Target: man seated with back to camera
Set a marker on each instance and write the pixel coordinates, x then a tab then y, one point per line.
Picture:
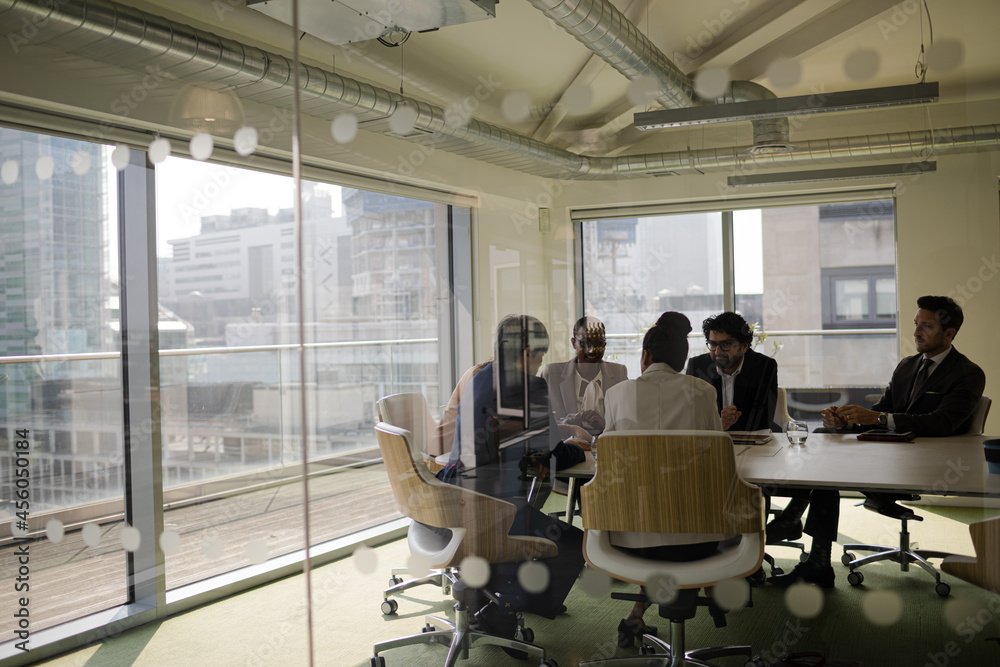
934	393
478	462
745	381
577	386
662	398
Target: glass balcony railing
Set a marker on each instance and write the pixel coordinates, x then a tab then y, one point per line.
225	412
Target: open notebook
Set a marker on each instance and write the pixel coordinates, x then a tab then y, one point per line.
763	436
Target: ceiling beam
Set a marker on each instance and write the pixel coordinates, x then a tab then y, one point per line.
636	12
810	35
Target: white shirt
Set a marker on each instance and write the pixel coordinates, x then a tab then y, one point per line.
728	384
661	399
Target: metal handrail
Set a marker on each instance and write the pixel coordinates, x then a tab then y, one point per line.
790	332
189	352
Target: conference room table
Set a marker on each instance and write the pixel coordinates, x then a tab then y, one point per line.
951	466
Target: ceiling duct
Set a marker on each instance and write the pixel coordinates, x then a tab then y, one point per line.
599	26
363	20
130	38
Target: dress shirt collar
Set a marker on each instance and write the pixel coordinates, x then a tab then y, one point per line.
938	358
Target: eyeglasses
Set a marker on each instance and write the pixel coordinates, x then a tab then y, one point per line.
725	345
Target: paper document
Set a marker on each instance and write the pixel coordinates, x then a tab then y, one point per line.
760	437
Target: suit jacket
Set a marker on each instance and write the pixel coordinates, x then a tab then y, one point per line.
755	393
562	387
946	402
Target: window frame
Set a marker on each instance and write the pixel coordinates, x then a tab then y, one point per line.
829	278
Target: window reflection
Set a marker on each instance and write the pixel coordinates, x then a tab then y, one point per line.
61	380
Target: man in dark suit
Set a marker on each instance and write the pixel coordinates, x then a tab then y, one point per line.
933	393
577	386
746	382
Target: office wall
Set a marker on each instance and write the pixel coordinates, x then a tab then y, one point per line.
948	235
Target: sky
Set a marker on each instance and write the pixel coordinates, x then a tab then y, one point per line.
197	189
202	188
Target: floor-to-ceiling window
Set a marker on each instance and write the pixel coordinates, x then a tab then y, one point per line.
816	281
372	308
61	455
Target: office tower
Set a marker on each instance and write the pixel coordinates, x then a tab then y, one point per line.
53	262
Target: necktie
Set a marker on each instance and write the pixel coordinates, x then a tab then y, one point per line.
918	381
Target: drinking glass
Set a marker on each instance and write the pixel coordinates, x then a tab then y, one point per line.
797	432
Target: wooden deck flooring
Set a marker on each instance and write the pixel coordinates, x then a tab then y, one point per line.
70	580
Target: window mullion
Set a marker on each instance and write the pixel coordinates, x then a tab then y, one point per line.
141	380
728	263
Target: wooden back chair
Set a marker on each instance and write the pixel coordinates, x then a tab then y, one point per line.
479	523
979	418
449	524
984	569
670	482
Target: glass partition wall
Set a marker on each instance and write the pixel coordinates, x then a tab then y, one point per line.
207	280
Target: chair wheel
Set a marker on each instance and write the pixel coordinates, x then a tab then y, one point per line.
394	580
943	588
548	663
525	635
646	649
847	558
855	578
755	662
389	607
804	556
429	628
377	661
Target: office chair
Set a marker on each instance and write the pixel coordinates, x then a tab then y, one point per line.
410	411
449	524
692	474
983	570
904	554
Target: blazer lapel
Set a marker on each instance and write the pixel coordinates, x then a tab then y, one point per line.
716	379
901	402
567	388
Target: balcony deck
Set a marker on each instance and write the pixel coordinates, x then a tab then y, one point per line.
69	580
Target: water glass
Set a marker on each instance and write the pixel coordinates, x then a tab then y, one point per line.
797	432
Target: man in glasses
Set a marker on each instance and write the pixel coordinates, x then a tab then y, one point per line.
577	386
746	382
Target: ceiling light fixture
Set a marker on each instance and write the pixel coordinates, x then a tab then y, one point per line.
848	100
839	174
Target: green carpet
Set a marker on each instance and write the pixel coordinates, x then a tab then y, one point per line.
266	626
